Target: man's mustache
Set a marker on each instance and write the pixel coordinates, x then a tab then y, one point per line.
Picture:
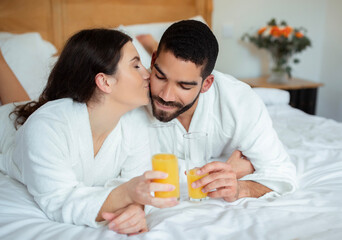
168	104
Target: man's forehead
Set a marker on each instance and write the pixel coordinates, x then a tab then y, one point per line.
179	76
176	68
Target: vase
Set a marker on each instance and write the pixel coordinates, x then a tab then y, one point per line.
279	64
278	76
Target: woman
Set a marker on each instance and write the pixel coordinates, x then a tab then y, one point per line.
74	139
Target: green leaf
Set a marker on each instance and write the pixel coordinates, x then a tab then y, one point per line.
288	70
272	22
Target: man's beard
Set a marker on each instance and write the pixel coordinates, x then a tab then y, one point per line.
164	116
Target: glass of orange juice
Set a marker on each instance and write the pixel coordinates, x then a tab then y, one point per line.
195	157
162	145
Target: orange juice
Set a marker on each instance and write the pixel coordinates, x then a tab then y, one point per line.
195	193
167	163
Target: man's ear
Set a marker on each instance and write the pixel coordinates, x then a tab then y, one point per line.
207	83
104	83
154	57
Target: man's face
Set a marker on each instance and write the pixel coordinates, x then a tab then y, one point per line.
175	86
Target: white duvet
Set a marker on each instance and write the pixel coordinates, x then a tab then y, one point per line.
312	212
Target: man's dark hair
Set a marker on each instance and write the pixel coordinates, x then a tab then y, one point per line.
193	41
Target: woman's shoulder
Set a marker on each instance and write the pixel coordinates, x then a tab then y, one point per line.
134	126
136	118
52	107
57	113
58	109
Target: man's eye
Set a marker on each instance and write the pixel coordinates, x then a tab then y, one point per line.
137	66
159	77
185	88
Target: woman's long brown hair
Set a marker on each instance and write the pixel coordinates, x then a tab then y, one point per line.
85	54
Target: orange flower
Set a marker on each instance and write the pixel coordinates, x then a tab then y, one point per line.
275	31
261	30
299	35
286	31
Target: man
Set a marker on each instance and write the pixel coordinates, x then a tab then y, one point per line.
184	90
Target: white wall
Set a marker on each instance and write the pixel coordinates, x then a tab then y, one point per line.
330	96
318	63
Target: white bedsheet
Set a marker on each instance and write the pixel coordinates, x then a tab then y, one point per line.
312	212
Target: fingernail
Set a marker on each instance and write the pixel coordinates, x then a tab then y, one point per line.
203	190
172	187
193	185
198	172
165	175
111	225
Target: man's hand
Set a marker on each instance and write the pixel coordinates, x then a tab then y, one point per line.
221	181
240	164
129	220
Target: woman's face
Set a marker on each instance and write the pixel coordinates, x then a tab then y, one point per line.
132	79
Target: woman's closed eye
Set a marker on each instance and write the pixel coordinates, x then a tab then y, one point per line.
136	62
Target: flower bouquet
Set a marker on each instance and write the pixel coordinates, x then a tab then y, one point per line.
282	41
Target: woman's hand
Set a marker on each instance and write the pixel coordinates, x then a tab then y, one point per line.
129	220
139	190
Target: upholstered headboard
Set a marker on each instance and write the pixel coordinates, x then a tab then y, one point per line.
56	20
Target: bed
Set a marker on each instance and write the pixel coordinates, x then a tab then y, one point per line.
315	144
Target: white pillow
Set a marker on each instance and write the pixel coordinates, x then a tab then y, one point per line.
145	57
155	29
30	58
272	96
7	134
7	128
7	131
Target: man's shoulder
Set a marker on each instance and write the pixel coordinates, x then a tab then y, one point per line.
233	99
225	83
230	91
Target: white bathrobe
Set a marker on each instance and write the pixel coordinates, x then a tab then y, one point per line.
236	118
54	157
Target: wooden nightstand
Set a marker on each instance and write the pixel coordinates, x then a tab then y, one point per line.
303	93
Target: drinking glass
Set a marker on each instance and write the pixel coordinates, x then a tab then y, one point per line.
195	157
162	139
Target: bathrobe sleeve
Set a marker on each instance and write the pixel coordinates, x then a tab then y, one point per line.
260	143
254	136
47	172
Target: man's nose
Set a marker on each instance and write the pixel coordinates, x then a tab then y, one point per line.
167	93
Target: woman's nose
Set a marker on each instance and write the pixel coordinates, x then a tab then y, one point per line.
146	75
